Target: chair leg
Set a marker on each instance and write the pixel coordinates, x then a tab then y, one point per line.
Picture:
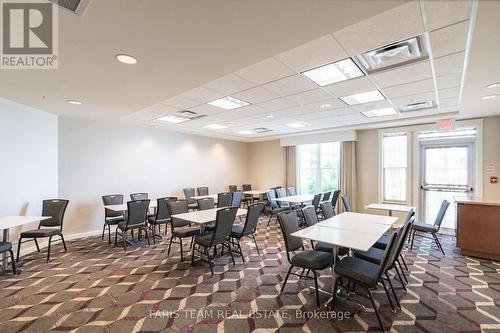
230	252
412	239
124	238
286	279
182	254
109	234
438	243
402	271
18	249
48	248
170	245
400	279
387	294
269	221
317	288
241	251
404	262
103	230
334	295
375	308
393	291
116	236
36	243
192	256
64	243
12	262
255	241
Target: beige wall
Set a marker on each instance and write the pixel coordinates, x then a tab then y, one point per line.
266	164
491	154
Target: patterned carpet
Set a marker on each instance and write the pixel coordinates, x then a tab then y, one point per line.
95	287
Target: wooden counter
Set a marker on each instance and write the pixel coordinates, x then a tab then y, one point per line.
478	228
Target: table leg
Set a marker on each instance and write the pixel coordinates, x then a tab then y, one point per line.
4	255
390	212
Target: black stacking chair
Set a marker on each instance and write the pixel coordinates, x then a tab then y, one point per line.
326	196
327	209
365	273
335	198
311	218
275	209
224	199
137	214
429	228
274	189
233	188
7	247
55	208
248	229
111	217
316	201
206	203
189	193
347	205
236	200
162	216
202	190
311	260
139	196
291	191
220	236
180	228
247	198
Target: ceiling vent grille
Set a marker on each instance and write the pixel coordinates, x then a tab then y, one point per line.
417	106
261	130
189	115
76	6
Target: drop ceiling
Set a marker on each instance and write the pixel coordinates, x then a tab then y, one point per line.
256	56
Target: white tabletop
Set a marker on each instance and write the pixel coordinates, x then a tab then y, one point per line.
359	226
16	221
204	216
297	198
255	192
124	207
214	196
390	207
351	217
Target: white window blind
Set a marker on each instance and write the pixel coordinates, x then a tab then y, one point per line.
319	167
394	166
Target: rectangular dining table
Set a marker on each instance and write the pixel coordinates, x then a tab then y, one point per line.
301	198
203	217
390	207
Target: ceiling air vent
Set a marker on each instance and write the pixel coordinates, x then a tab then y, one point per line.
76	6
394	55
416	106
189	114
261	130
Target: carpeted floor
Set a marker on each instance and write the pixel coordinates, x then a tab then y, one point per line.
95	287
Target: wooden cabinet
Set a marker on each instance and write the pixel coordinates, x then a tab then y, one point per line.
478	228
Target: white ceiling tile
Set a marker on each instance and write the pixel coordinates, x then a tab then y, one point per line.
256	95
424	97
206	109
334	103
290	85
450	39
445	12
405	74
229	84
391	26
202	94
411	88
180	102
350	87
152	112
310	96
449	92
277	104
449	64
449	80
265	71
452	102
319	52
371	106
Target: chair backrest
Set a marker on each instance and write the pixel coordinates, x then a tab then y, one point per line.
253	213
281	193
246	187
291	191
388	253
137	212
335	198
271	196
223	224
177	207
224	199
401	240
327	209
236	201
202	190
326	196
162	212
112	199
189	193
441	214
233	188
347	205
310	215
316	200
206	203
56	209
411	213
289	224
274	189
139	196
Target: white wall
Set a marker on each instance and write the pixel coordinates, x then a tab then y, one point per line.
28	159
98	158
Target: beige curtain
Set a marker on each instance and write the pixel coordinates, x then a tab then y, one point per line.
348	173
291	166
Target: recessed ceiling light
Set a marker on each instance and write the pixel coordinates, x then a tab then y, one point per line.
173	119
494	85
126	59
246	132
298	125
489	97
270	116
228	103
75	102
380	112
366	97
325	106
215	127
335	72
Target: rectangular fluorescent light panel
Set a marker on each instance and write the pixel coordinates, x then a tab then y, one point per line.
215	127
228	103
366	97
246	132
298	125
380	112
173	119
335	72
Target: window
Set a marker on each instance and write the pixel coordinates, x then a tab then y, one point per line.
318	167
394	166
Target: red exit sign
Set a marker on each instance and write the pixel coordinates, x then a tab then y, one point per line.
446	124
